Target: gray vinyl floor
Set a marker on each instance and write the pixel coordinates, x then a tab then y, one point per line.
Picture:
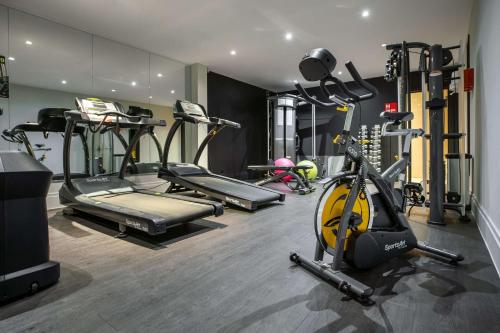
232	274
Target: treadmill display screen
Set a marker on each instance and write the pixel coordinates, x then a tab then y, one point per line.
91	106
193	109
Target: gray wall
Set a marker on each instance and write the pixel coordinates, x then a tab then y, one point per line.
485	122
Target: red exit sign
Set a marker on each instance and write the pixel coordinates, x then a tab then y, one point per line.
391	107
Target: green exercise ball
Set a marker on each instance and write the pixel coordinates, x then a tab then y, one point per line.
311	173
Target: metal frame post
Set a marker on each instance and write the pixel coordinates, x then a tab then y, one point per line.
436	106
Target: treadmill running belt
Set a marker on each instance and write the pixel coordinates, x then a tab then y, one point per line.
173	210
235	189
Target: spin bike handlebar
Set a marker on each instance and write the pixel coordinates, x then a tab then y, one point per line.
10	136
371	90
310	99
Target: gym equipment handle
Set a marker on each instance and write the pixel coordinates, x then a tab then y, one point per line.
372	91
225	122
312	100
410	45
367	86
118	114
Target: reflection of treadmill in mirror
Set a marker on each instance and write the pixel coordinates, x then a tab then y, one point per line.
145	167
194	177
114	198
135	167
50	120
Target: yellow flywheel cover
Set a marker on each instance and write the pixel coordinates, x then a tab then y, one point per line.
332	213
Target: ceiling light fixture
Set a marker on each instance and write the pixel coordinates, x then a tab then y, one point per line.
64	82
288	36
28	42
113	90
134	83
233	52
150	97
339	73
365	13
172	91
159	75
11	58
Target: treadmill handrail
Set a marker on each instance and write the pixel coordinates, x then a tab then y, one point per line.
219	125
224	122
82	117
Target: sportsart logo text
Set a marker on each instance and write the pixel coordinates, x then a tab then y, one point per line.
395	173
398	245
98	180
234	201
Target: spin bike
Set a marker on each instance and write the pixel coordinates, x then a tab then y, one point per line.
353	222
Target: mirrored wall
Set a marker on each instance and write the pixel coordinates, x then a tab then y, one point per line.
50	64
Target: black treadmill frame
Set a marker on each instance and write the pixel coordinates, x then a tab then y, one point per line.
167	173
74	193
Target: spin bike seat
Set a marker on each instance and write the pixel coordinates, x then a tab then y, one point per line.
397	116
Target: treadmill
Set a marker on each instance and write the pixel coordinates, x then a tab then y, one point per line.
194	177
111	196
50	120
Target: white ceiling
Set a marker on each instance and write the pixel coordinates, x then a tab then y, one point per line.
88	64
205	31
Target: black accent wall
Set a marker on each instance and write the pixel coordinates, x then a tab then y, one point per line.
232	150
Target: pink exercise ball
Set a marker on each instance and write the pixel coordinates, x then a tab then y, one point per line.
283	162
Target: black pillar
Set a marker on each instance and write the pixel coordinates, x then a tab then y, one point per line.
436	106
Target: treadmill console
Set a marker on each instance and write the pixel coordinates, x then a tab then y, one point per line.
94	109
91	106
191	112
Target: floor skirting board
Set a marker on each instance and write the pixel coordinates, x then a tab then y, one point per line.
489	231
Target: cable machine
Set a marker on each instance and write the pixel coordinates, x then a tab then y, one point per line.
436	73
282	138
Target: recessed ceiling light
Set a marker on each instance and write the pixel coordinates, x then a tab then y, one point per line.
384	45
339	73
288	36
28	42
172	91
134	83
113	90
295	81
64	82
159	74
11	58
150	97
233	52
365	13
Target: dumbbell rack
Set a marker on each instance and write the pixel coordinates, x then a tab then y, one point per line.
375	154
371	145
